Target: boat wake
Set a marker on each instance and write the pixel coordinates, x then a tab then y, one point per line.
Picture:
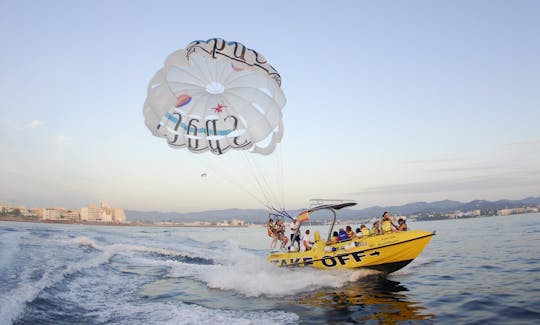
224	265
54	277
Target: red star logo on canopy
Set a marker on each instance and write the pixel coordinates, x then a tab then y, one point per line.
219	108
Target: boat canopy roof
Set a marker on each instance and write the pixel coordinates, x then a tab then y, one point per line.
335	206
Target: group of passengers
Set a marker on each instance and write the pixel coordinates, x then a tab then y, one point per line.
386	225
276	231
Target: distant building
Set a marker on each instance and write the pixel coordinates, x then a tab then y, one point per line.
507	212
18	210
103	213
38	212
225	223
90	213
119	215
51	213
71	215
236	222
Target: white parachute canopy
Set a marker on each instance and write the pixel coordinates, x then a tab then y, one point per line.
216	96
221	97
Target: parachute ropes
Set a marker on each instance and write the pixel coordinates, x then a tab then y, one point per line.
216	96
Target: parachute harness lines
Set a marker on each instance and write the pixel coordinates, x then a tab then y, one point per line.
217	96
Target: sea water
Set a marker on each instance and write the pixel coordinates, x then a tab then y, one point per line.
483	270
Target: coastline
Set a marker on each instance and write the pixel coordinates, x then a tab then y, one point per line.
125	224
13	218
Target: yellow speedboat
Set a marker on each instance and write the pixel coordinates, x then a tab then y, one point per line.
386	253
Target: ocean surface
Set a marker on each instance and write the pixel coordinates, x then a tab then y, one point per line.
474	271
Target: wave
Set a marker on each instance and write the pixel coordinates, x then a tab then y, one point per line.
224	265
13	302
250	275
9	246
183	256
175	313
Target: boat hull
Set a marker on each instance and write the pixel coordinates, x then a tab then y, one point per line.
385	253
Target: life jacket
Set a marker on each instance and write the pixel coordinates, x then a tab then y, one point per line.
386	226
271	229
365	231
350	234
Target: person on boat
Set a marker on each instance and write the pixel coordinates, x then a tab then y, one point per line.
350	233
402	225
375	229
358	233
295	232
342	235
271	227
334	239
280	231
387	226
364	230
307	244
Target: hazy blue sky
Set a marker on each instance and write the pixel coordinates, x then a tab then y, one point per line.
388	102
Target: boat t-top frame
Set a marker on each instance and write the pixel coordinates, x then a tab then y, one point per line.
316	205
331	205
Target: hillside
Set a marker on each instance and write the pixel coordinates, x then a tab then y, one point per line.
260	215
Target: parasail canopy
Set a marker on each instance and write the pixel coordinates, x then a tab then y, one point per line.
216	96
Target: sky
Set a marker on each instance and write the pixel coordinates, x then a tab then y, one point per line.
388	102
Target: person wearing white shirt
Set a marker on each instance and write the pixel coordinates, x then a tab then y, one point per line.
295	232
307	244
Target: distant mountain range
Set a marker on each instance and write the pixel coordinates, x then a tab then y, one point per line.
260	216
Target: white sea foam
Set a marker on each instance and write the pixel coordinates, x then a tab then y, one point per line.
180	313
235	269
112	300
186	251
9	245
13	302
239	270
252	276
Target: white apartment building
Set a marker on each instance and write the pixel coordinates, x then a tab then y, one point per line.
51	214
103	213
